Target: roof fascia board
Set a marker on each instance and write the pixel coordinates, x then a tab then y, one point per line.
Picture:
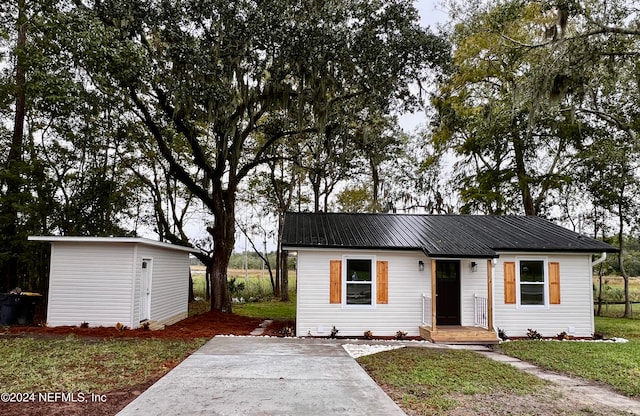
112	240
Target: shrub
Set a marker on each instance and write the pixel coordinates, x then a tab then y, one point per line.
533	334
502	334
334	332
400	335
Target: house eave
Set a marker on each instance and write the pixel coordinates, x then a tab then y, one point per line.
112	240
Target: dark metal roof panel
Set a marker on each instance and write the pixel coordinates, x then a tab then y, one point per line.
436	235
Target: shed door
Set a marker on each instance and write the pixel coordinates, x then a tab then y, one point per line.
145	290
448	292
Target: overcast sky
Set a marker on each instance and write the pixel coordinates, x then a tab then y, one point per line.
431	14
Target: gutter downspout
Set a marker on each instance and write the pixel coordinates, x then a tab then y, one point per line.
602	258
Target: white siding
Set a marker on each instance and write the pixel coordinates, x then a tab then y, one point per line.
90	283
316	316
169	283
576	295
472	283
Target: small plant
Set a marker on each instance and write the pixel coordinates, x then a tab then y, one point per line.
368	334
334	332
533	334
563	336
121	327
84	325
287	331
235	287
400	335
502	334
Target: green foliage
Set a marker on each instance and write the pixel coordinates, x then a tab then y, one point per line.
358	199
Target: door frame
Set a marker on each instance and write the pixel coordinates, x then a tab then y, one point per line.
458	317
146	277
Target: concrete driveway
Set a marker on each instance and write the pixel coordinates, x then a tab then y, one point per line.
265	376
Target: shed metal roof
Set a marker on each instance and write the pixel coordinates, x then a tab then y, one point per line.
471	236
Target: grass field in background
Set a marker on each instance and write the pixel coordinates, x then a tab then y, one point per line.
257	295
613	291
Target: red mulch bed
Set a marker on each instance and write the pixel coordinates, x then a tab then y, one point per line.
206	325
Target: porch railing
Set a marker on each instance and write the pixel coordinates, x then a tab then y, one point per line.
481	311
426	310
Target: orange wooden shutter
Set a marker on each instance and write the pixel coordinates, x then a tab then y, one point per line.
382	282
335	281
554	283
509	282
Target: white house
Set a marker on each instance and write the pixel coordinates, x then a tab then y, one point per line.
448	278
107	280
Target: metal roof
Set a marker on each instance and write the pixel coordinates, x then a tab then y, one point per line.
471	236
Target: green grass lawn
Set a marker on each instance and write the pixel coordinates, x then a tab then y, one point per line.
617	365
431	381
75	364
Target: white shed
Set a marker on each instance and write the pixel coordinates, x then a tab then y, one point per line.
107	280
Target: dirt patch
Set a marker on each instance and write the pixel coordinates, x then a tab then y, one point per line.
206	325
114	401
549	401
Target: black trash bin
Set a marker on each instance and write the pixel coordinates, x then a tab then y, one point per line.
27	307
9	306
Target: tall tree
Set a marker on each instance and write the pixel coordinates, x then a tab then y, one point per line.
202	77
514	150
12	173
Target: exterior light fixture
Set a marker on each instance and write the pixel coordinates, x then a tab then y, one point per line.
474	266
420	265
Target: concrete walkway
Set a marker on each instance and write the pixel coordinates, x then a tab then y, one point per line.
580	390
265	376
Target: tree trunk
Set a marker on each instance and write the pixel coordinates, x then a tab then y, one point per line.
14	159
284	273
375	184
625	276
191	296
315	179
207	281
223	234
599	310
523	178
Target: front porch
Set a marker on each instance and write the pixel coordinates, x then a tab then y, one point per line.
458	335
441	312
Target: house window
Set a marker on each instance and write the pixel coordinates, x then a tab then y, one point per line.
532	282
359	281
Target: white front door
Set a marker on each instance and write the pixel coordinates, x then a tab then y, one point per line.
145	290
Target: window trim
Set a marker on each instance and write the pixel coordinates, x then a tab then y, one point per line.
374	277
545	271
